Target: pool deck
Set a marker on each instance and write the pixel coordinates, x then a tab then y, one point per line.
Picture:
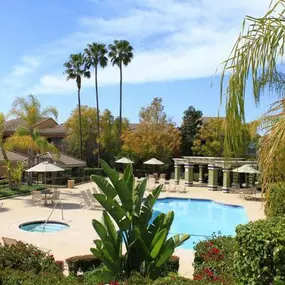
78	239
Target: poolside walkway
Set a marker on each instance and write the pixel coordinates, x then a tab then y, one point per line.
78	239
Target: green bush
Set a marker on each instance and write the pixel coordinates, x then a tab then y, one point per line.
95	171
17	277
28	258
275	204
260	252
3	182
214	260
82	263
172	266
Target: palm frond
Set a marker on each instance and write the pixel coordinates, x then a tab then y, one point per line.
254	55
21	142
49	111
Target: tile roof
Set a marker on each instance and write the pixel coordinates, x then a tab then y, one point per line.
13	156
12	125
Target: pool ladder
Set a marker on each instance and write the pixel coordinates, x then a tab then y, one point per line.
52	212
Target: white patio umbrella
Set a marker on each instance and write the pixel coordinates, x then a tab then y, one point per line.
153	161
246	168
45	167
124	160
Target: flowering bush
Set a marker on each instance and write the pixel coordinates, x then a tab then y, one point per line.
214	260
28	258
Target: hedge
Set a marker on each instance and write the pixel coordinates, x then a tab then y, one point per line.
82	263
260	252
275	204
95	171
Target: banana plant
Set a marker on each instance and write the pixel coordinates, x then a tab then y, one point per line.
126	208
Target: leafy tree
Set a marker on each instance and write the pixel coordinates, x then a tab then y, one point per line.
76	69
96	57
155	136
89	133
256	57
127	218
189	128
120	53
109	135
210	139
27	136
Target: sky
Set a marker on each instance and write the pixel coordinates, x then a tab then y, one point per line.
178	48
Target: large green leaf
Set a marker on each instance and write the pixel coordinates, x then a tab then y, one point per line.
138	196
179	239
100	229
142	243
111	173
166	252
110	227
157	243
105	186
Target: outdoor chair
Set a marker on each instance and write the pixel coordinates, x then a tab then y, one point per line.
93	200
182	189
172	187
54	197
37	197
1	205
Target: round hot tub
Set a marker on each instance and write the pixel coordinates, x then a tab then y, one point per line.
42	226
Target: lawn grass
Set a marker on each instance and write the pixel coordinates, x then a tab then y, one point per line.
5	192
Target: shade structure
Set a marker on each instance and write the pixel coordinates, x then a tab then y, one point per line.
124	160
246	168
45	167
153	161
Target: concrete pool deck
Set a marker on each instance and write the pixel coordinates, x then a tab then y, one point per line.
78	239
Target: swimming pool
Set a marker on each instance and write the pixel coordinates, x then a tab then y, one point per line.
201	218
39	226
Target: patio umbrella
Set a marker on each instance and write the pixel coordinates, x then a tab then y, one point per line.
153	162
45	167
124	160
246	168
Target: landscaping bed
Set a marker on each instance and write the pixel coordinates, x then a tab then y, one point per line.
5	192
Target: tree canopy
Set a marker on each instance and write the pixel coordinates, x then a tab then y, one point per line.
155	136
189	128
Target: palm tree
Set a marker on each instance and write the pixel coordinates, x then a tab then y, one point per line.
2	147
256	58
26	136
120	53
76	69
96	56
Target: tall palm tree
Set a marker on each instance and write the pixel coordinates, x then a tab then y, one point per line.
120	53
2	147
96	57
26	136
76	69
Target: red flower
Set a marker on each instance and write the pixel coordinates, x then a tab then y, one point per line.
198	277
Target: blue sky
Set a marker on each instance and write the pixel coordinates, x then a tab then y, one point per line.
178	46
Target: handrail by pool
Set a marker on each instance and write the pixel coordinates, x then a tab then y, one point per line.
52	212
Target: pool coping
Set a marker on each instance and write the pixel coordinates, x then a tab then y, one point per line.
202	200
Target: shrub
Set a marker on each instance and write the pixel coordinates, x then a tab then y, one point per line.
16	277
26	257
82	263
275	204
172	266
261	252
214	260
95	171
3	182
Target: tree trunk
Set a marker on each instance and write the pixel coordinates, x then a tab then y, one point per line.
7	162
121	102
98	113
30	164
80	124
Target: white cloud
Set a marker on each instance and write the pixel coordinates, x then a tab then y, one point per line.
173	39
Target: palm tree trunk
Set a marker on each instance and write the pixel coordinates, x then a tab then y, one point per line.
121	102
7	162
80	124
98	112
30	162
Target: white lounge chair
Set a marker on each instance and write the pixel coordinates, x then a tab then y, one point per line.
173	187
37	197
93	200
182	189
85	202
54	197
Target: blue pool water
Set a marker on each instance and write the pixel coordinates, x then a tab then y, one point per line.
39	227
201	218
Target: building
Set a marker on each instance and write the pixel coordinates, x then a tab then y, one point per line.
47	127
55	133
